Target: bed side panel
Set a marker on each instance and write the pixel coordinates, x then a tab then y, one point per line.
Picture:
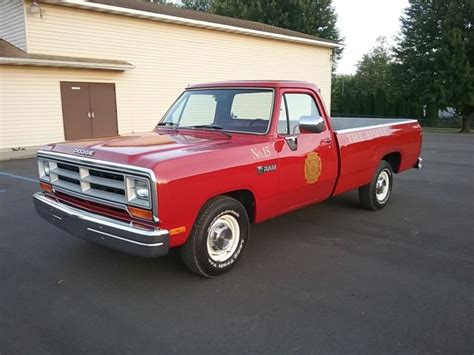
362	150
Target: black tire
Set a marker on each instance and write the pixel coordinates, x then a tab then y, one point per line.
368	193
195	252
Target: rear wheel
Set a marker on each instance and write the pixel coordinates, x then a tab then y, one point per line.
218	237
376	194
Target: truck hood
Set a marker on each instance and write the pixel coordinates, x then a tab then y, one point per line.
144	149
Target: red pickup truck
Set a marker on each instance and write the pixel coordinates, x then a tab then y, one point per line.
224	156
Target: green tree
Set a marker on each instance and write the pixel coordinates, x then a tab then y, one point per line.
345	95
435	55
374	89
374	70
197	5
368	91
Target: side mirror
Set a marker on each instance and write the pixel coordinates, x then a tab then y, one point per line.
313	124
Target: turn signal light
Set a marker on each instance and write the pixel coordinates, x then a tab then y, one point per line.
178	230
46	187
140	213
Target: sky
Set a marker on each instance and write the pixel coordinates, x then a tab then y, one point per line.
360	22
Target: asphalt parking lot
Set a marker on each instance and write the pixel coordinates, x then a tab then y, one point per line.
330	278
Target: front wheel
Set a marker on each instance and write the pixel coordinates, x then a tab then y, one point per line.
376	194
218	237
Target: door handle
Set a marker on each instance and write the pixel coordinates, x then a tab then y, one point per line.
93	114
326	141
292	142
89	114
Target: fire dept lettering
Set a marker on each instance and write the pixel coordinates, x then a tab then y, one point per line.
356	137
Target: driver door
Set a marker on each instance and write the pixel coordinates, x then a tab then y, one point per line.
308	161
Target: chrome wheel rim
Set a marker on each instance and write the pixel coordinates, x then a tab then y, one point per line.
223	238
382	187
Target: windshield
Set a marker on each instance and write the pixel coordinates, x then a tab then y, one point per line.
233	110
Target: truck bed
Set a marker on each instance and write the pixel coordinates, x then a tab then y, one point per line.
364	142
341	124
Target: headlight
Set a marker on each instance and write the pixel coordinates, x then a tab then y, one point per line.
138	191
44	169
141	190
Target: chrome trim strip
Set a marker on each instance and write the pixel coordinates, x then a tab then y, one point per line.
348	130
95	162
125	240
110	165
94	218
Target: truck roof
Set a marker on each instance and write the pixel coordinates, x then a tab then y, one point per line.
256	83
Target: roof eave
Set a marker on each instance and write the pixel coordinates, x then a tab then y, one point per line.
188	22
64	64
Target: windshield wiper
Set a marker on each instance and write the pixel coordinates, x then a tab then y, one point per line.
210	126
167	124
170	125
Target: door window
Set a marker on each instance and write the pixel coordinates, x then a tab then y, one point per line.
299	106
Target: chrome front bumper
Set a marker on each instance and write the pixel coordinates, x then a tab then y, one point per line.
102	230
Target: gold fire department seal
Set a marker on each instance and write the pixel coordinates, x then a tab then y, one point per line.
312	168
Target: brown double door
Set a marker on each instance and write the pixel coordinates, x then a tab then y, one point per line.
89	110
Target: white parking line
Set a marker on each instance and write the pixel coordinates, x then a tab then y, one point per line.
19	177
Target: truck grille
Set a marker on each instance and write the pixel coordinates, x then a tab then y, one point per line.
117	186
114	185
89	181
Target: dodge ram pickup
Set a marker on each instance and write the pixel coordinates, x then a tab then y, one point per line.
224	156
